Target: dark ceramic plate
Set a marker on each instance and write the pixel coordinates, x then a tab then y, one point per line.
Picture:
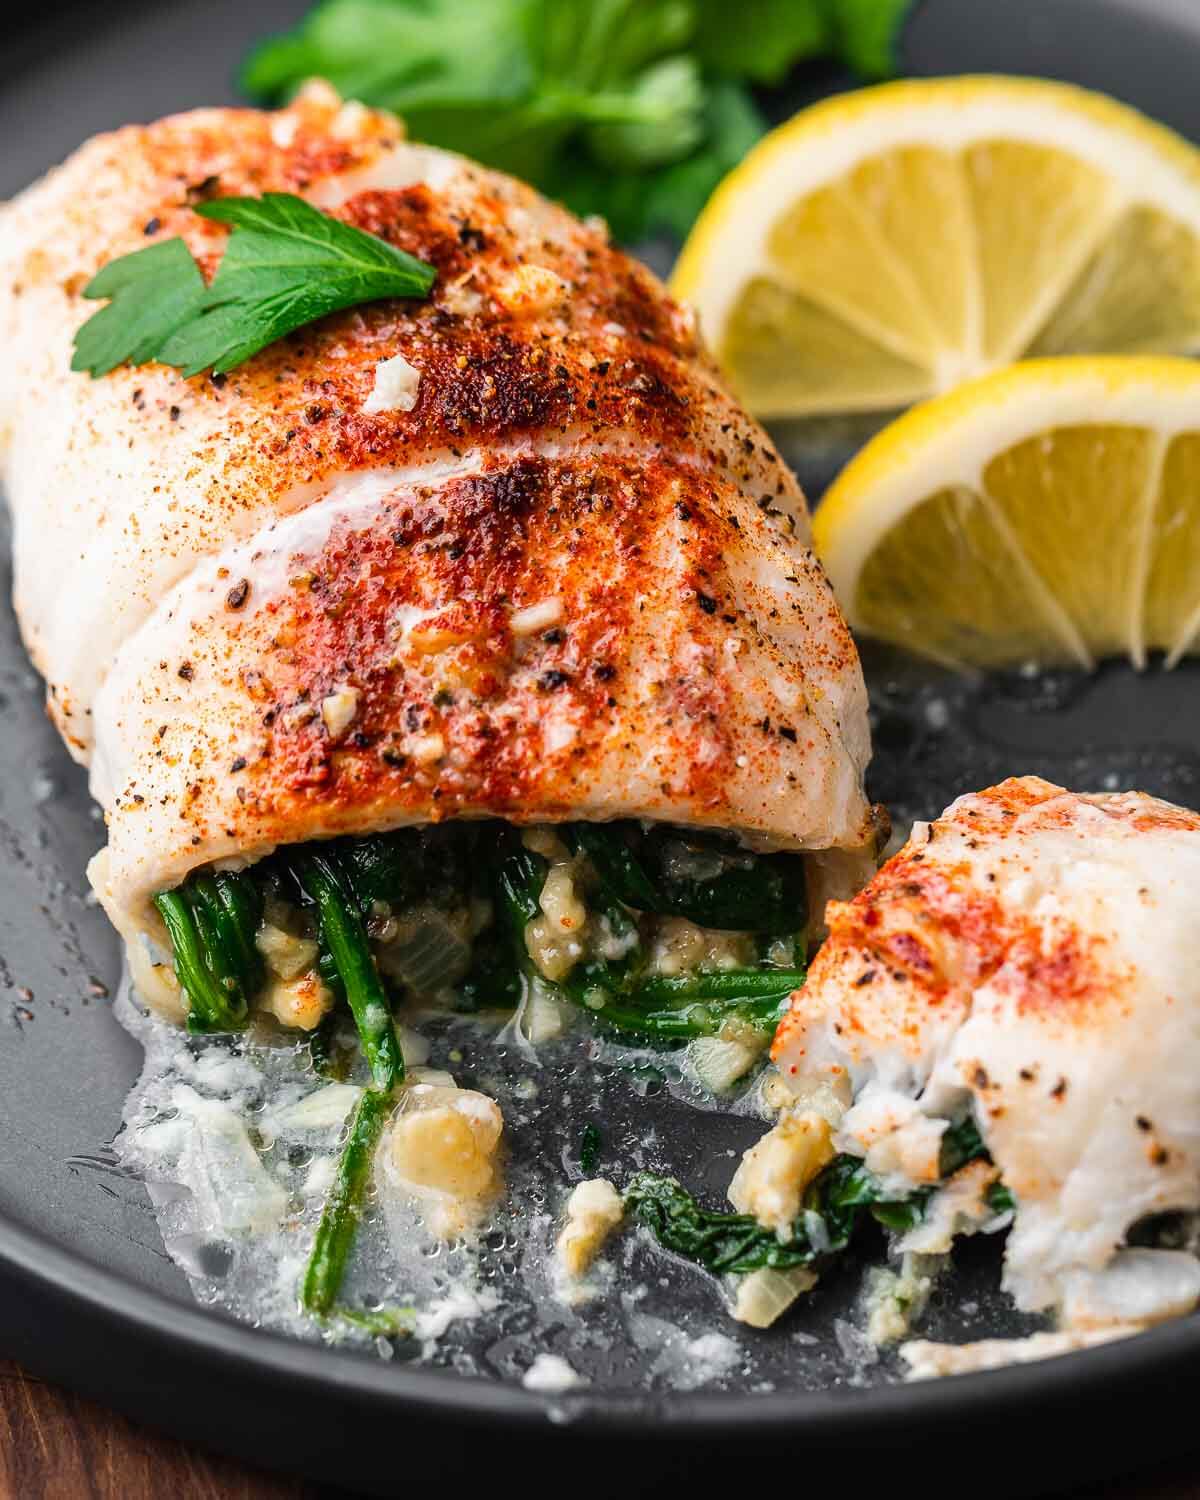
87	1294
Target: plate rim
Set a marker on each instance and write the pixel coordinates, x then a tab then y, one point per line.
833	1412
162	1326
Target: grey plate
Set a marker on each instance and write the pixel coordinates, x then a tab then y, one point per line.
88	1294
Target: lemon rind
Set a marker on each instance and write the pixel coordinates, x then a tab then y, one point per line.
948	441
1147	162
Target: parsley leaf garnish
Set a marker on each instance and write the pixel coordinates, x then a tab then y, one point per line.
153	292
633	109
286	264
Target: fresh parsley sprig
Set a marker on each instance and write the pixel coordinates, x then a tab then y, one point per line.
286	264
634	109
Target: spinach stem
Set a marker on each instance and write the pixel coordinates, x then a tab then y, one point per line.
719	984
651	1007
216	1000
345	937
343	1209
682	1023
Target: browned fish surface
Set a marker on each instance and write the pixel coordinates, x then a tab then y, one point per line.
567	577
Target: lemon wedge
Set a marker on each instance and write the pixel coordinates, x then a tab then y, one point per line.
1047	513
886	244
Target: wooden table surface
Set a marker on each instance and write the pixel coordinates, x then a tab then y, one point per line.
56	1446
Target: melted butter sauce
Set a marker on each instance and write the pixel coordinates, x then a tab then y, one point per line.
236	1143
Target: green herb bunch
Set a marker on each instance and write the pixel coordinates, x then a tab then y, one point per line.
634	109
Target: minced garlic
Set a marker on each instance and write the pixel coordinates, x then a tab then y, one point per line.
287	955
593	1211
303	1001
339	710
530	290
427	748
535	618
679	947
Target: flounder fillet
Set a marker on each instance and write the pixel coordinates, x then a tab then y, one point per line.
571	581
1029	956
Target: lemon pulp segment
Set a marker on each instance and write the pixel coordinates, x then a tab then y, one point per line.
885	245
1048	513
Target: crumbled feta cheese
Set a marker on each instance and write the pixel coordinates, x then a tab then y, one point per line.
679	946
530	290
395	388
612	945
593	1211
709	1355
774	1172
543	840
461	1304
339	710
554	940
554	949
550	1373
443	1147
537	617
559	900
